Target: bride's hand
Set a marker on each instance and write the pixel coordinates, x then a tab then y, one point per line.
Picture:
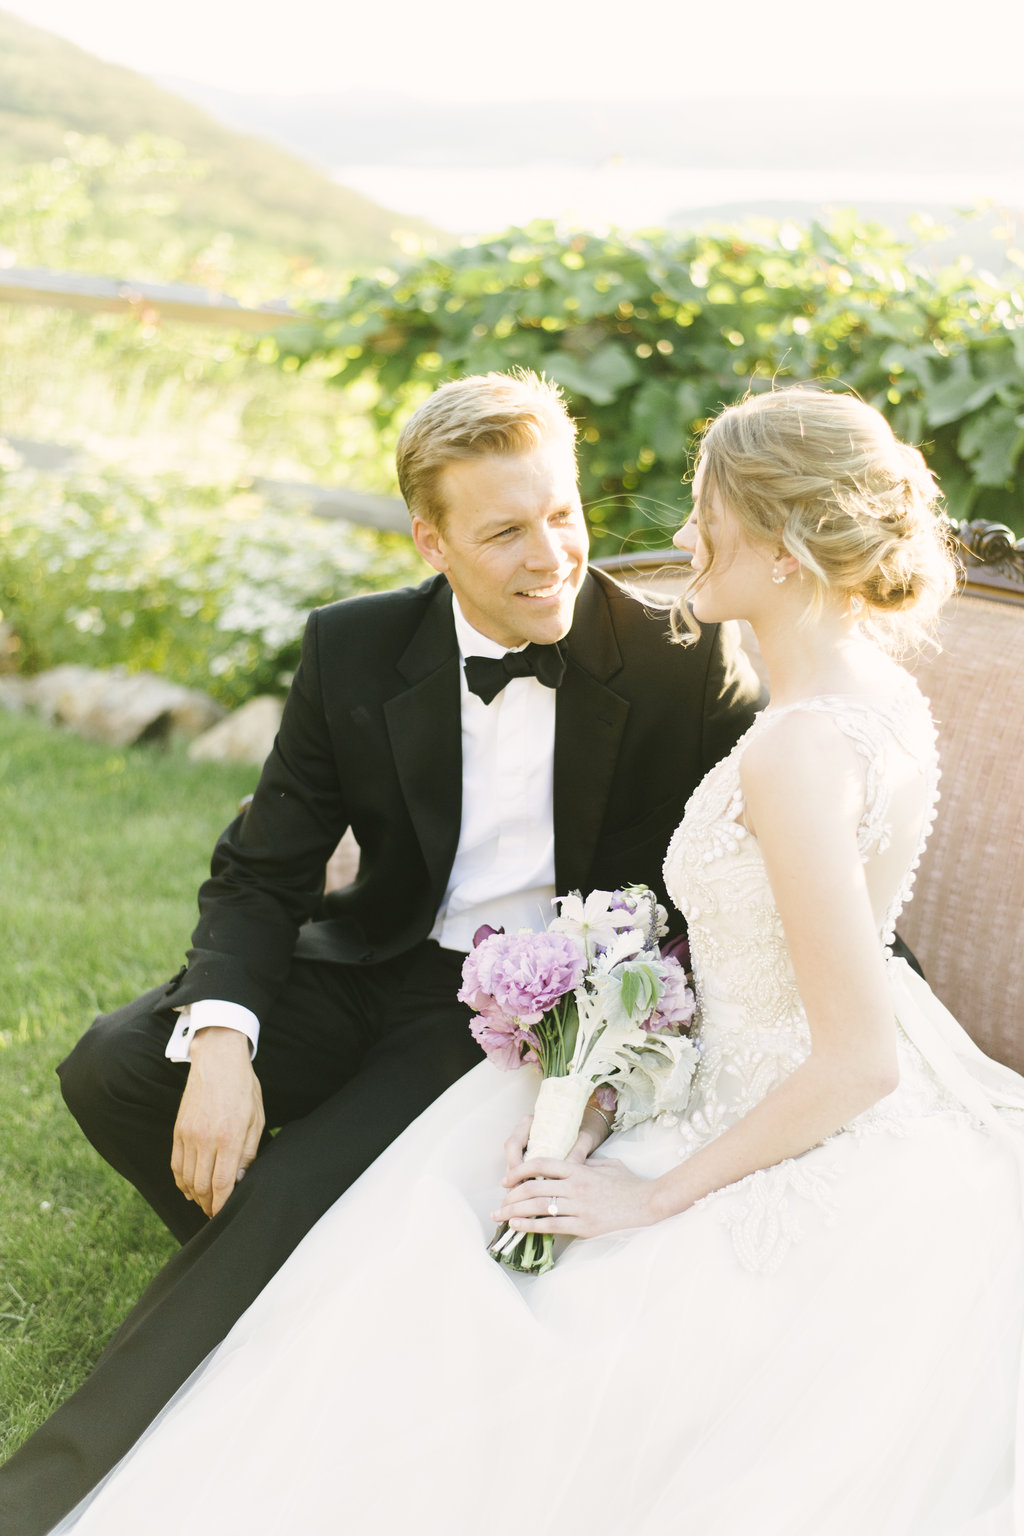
593	1131
591	1198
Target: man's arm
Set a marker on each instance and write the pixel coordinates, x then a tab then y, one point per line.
267	876
268	866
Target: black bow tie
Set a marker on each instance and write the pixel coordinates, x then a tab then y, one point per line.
486	676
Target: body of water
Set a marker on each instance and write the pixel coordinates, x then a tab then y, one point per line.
633	195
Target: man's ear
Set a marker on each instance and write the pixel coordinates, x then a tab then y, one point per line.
429	543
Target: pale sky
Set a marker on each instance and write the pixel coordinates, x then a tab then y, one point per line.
576	49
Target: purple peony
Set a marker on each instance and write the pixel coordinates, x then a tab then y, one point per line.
676	1003
524	974
503	1040
478	970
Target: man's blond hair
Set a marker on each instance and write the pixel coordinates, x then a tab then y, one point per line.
499	413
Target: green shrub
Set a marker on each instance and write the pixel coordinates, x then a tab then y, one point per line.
651	335
201	584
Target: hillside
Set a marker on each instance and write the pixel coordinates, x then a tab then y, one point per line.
261	193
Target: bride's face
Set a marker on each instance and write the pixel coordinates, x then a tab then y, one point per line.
739	569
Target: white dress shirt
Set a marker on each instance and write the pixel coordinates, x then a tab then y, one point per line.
504	868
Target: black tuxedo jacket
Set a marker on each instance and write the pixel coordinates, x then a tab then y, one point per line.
371	738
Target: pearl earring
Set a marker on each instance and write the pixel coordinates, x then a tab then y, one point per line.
778	577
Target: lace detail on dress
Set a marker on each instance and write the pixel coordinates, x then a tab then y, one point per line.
752	1030
763	1215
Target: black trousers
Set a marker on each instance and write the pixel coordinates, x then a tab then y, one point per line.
349	1057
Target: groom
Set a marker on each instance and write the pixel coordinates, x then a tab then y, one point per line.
514	728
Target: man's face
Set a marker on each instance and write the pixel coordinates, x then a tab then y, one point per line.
513	544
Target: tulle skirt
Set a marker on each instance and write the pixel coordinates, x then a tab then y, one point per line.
829	1348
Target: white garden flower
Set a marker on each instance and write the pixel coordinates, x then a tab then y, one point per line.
625	946
594	923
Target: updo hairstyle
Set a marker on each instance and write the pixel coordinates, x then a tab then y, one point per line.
821	476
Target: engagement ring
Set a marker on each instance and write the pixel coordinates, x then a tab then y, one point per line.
553	1207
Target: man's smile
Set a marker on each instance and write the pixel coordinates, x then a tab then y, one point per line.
552	590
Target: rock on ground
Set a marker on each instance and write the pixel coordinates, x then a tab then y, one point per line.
119	708
245	736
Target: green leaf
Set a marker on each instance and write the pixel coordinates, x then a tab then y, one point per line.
631	985
656	419
640	989
947	401
915	363
964	393
601	378
992	444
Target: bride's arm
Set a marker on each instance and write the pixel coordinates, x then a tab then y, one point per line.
803	786
804	790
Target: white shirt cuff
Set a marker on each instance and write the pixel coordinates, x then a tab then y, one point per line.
211	1013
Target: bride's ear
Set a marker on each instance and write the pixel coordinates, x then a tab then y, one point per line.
785	565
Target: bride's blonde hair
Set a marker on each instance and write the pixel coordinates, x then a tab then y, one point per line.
820	476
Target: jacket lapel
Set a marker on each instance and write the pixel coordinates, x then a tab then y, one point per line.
424	725
589	721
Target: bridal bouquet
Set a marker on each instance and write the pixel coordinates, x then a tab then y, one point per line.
595	1005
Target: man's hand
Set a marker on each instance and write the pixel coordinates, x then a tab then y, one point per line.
220	1120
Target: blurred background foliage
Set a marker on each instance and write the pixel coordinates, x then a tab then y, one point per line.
142	391
652	335
202	584
161	549
156	548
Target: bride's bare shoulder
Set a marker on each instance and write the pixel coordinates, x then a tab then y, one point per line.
799	766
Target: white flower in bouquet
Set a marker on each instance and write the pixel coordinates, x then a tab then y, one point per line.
655	1081
595	923
632	1021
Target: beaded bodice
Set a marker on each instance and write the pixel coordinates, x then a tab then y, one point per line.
752	1029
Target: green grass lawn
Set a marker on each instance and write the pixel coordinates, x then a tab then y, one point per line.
101	852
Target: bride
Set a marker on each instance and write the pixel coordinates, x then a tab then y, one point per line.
796	1311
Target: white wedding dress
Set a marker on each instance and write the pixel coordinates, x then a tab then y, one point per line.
830	1347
